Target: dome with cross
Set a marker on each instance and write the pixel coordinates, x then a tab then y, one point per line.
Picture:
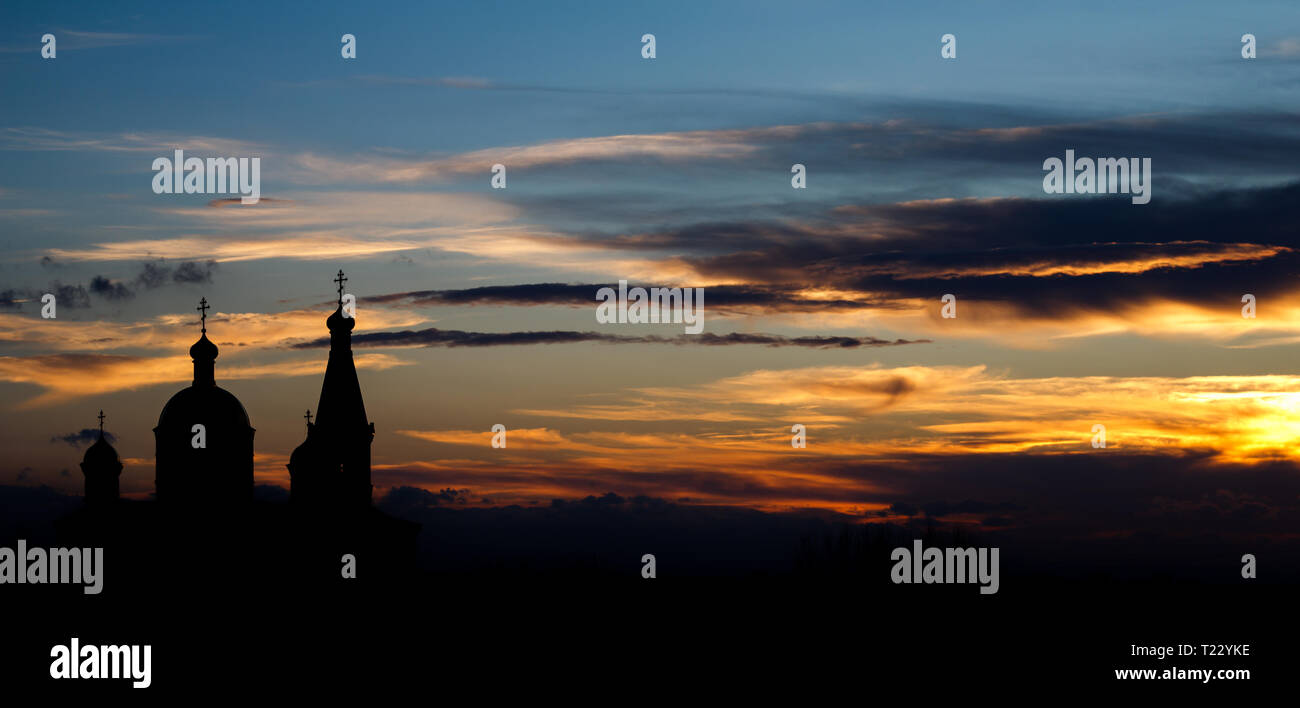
204	439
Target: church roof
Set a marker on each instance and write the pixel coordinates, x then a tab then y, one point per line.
99	455
341	408
211	405
204	401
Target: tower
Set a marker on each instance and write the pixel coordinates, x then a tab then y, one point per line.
203	442
332	466
102	467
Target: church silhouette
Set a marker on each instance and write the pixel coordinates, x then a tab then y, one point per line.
204	508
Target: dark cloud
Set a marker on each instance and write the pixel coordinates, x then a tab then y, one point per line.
405	498
583	295
11	299
903	509
71	296
955	234
106	288
153	275
605	499
85	436
1230	242
239	201
194	272
270	493
1048	257
433	337
67	296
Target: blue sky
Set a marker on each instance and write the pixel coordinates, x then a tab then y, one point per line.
924	177
256	58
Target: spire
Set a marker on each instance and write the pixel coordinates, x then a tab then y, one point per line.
331	468
340	439
204	352
341	407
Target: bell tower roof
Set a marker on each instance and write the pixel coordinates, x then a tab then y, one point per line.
101	466
332	466
100	455
341	408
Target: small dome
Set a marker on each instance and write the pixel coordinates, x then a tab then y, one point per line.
100	455
337	321
302	453
203	350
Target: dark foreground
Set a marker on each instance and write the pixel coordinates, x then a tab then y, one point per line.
608	640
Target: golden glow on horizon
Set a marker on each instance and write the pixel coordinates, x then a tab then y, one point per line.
1237	419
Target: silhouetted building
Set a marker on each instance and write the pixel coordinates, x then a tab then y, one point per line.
102	467
332	466
207	466
328	526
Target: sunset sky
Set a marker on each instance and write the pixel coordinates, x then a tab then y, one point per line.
822	305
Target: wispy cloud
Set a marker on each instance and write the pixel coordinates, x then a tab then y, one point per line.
318	226
671	147
46	139
85	436
64	377
251	331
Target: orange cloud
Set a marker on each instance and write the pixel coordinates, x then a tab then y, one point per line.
69	376
878	413
176	332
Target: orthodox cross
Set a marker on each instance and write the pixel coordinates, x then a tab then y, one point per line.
203	314
101	422
308	417
340	280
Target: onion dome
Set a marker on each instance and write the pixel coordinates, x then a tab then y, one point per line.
101	466
338	323
203	350
101	455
